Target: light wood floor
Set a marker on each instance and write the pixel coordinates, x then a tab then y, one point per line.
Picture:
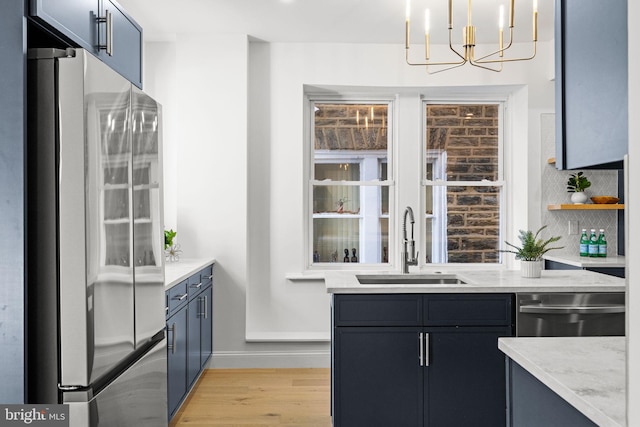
258	397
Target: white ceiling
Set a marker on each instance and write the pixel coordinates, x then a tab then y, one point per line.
330	21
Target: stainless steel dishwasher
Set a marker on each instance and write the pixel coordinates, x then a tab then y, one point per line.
570	314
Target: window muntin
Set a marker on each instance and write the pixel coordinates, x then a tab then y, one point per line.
463	187
349	185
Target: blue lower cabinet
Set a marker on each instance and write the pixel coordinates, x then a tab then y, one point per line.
439	374
176	359
465	380
193	346
200	342
378	379
191	327
533	404
206	327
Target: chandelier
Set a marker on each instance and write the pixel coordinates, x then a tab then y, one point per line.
492	61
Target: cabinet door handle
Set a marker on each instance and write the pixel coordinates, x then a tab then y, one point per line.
109	47
206	314
197	286
172	346
426	349
181	297
108	20
421	347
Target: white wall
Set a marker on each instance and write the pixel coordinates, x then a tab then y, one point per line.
284	309
632	203
160	68
236	136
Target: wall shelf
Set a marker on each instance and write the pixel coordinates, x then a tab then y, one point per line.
586	207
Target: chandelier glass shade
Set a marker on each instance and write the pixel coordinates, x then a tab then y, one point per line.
465	52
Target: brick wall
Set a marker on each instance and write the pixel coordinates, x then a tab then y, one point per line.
351	127
469	136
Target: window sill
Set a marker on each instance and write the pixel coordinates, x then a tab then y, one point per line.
304	277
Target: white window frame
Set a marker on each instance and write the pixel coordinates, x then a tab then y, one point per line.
328	156
439	183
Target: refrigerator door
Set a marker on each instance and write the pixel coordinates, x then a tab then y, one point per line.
148	247
95	214
137	398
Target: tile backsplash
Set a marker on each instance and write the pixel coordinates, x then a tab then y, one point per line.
554	191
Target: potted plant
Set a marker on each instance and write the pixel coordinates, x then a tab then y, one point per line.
531	251
168	238
172	251
576	184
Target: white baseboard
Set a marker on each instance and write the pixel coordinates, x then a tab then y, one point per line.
270	359
288	336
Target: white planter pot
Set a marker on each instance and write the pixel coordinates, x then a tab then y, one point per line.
531	269
579	198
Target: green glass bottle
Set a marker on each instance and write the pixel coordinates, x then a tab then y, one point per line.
584	243
602	244
593	244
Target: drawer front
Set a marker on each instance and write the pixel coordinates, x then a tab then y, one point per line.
378	310
468	310
177	297
206	276
195	285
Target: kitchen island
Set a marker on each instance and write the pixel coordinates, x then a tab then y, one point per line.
481	281
588	373
422	348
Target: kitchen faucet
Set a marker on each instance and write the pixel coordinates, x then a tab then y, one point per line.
406	259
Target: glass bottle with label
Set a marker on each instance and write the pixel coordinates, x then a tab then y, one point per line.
602	244
584	243
593	244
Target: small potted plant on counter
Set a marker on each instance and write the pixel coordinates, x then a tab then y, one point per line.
576	184
172	250
531	252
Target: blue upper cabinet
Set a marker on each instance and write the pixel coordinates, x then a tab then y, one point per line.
124	52
100	26
591	83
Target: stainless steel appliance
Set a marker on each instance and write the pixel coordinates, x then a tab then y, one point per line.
95	311
570	314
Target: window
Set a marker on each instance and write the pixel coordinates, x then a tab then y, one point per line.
349	183
447	165
463	184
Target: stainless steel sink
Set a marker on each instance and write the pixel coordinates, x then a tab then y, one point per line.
408	279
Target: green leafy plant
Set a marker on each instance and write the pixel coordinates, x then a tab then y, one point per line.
168	238
532	248
577	182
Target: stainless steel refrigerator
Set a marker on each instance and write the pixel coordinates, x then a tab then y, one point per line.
95	265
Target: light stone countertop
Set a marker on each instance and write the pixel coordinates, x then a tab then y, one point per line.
586	262
177	271
588	372
483	281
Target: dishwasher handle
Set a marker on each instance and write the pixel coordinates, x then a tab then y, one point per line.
572	309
